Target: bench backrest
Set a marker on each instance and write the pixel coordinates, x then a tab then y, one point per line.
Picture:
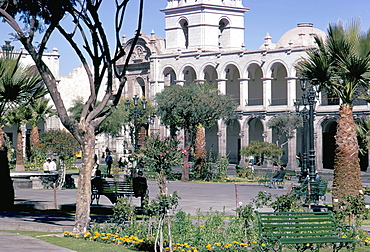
118	187
297	224
316	187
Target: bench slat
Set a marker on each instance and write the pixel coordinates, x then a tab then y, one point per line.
277	229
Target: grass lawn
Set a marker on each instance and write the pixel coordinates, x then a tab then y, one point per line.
71	243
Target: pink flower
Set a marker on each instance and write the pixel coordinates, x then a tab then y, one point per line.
160	154
167	151
181	139
187	165
184	152
170	162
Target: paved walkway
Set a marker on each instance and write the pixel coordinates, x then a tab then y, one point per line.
194	196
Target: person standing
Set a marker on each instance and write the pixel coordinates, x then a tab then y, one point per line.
108	161
46	165
140	187
53	166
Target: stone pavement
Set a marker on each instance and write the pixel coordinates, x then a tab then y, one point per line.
194	196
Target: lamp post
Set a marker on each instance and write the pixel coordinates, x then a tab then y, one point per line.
135	113
7	48
308	98
304	114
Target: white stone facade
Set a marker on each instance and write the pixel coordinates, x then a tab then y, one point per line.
204	42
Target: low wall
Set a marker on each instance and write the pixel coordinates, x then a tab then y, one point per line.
40	180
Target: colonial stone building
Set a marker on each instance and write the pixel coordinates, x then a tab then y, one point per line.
204	42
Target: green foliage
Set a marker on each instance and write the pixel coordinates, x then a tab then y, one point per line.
289	202
340	64
352	209
58	143
112	125
222	163
270	151
285	124
163	203
184	107
18	85
123	211
159	155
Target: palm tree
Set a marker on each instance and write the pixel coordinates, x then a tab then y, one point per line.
41	110
19	85
19	116
340	66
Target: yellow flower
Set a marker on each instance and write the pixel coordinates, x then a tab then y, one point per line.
254	241
218	244
209	246
263	245
307	244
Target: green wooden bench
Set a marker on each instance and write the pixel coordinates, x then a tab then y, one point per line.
112	190
289	174
312	191
267	178
302	230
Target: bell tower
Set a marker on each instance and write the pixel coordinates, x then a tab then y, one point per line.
209	25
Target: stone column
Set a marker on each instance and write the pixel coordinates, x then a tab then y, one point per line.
243	92
318	143
291	91
221	138
266	92
222	85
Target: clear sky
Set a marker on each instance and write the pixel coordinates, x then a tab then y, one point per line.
273	16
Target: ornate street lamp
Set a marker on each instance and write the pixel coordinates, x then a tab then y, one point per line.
308	98
136	113
304	114
7	48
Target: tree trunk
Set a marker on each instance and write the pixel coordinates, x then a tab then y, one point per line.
347	180
200	150
185	169
82	218
19	163
6	183
34	136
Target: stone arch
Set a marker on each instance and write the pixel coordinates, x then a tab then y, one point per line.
233	141
210	74
212	140
255	85
232	75
169	76
189	74
139	87
279	87
184	39
224	32
329	129
255	130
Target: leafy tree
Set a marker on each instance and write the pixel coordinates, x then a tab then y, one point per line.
185	107
160	155
58	143
340	65
112	125
46	17
285	125
200	150
269	151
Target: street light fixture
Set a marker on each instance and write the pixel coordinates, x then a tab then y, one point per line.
7	48
308	98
